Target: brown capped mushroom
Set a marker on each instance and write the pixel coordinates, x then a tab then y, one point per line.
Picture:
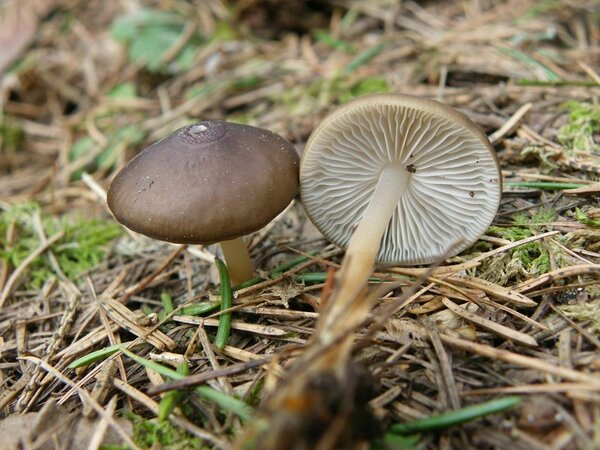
205	183
397	180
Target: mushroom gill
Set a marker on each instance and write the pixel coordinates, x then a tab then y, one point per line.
450	177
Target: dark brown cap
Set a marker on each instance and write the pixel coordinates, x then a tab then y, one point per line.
207	182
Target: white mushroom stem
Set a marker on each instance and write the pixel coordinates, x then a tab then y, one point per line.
364	243
238	260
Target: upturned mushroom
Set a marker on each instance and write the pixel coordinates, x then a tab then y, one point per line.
398	179
205	183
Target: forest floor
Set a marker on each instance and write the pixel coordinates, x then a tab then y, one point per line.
501	352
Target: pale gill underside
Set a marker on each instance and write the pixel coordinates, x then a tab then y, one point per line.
453	192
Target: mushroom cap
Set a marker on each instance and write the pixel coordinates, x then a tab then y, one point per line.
207	182
455	182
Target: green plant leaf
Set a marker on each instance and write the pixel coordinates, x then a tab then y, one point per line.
123	90
150	34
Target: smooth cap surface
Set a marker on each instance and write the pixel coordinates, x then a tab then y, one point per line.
454	187
205	183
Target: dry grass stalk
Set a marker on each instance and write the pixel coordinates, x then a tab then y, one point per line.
256	64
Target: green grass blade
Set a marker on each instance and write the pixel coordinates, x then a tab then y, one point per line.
320	277
226	301
277	271
97	355
335	43
197	309
311	277
547	185
158	368
167	303
246	284
172	398
291	264
456	417
225	402
363	58
531	62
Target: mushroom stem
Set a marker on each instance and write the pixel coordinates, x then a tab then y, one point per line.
238	260
364	243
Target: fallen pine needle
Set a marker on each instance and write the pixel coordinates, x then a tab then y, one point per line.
520	360
535	389
494	327
511	124
235	324
558	274
85	395
12	279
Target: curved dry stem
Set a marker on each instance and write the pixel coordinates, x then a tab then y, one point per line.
238	260
363	246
